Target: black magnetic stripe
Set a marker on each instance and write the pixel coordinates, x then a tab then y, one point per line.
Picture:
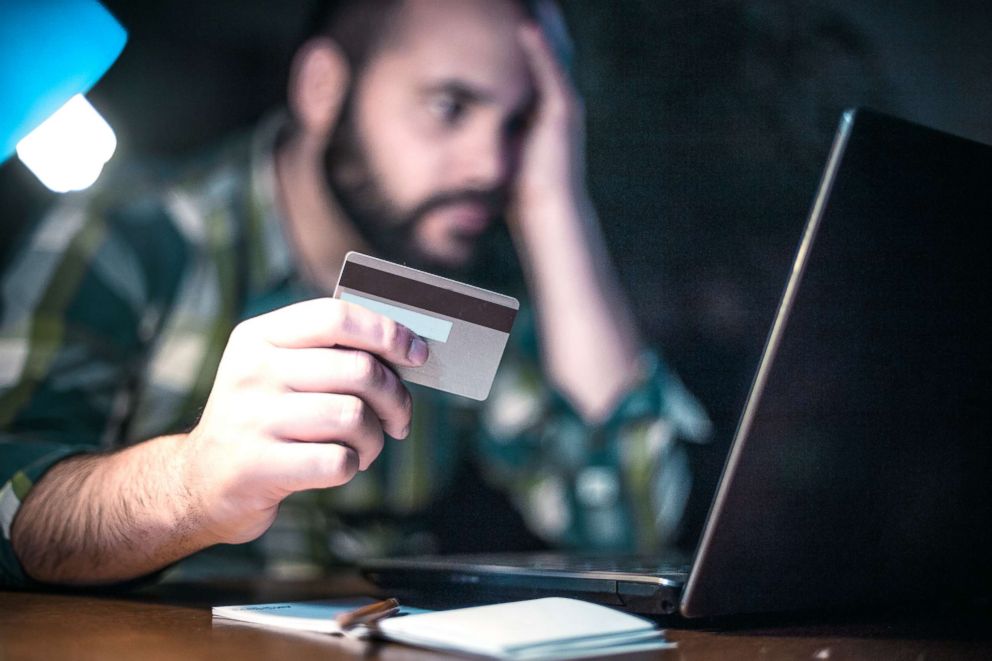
428	297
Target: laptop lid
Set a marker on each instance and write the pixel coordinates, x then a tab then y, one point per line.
859	472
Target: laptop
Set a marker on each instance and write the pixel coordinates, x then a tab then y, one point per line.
860	469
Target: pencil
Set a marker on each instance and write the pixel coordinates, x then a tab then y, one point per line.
368	614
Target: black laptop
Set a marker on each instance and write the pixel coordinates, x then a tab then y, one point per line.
860	470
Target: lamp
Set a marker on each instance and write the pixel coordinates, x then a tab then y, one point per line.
51	53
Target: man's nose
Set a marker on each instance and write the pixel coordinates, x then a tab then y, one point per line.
485	160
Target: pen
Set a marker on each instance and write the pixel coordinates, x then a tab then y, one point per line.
368	614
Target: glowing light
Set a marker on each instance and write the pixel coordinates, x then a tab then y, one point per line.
68	150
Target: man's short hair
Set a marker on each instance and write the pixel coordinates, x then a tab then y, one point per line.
360	27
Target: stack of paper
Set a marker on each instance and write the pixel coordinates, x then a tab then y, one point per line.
552	628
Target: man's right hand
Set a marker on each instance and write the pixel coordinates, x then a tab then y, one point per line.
301	400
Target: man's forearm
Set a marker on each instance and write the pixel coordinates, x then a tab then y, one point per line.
591	344
109	518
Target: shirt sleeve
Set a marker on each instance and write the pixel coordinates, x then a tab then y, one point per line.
620	485
29	461
75	300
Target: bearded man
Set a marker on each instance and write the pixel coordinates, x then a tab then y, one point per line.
175	375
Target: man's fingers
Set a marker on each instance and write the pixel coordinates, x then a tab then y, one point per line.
349	372
298	466
322	418
552	22
550	78
328	322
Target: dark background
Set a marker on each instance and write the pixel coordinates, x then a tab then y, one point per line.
708	124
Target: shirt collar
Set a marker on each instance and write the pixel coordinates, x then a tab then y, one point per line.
270	253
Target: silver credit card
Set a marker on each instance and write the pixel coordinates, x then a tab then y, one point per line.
466	328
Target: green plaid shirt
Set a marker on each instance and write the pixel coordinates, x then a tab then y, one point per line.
117	308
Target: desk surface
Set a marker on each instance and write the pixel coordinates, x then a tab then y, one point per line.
171	622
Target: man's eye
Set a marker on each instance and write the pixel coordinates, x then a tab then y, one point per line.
447	109
516	125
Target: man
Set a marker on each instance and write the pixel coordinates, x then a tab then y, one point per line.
413	125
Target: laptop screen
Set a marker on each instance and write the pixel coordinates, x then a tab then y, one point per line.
860	470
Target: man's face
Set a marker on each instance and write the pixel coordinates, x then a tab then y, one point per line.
425	152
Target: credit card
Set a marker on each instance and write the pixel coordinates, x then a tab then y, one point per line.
465	327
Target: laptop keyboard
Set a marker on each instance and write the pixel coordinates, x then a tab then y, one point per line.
572	563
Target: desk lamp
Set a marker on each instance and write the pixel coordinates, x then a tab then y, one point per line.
51	53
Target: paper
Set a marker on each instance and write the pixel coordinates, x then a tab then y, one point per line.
534	630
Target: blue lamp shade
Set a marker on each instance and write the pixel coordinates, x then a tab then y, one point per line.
50	50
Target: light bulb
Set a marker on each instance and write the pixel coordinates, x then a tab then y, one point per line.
68	150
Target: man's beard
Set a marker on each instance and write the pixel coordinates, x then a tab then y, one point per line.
389	230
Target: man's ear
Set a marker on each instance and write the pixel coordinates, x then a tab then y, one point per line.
318	84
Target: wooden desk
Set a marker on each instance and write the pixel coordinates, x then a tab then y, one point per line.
174	622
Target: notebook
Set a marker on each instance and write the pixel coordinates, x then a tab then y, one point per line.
534	630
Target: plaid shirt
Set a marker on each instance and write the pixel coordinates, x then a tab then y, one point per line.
117	308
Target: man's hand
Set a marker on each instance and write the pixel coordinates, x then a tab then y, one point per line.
590	342
301	400
553	155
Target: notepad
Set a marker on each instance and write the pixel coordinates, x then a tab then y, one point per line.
550	628
533	630
316	616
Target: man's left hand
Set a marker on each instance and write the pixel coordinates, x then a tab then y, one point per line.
590	342
553	154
